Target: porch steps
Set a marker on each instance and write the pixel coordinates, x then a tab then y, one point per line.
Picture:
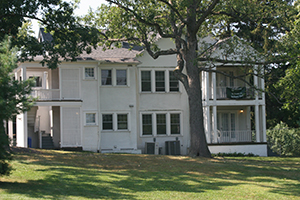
47	141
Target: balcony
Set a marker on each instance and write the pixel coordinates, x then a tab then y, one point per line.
46	94
233	93
233	136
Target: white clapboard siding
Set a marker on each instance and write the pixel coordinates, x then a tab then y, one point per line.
70	83
71	129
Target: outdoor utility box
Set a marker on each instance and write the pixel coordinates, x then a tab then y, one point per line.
151	148
172	147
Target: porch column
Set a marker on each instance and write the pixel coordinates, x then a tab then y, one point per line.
208	126
215	124
214	85
207	86
263	121
257	126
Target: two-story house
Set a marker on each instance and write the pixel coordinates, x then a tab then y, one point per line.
114	101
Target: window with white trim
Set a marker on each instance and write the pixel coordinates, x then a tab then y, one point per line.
173	82
114	77
89	73
147	124
121	76
158	81
175	123
146	81
107	122
115	121
163	124
122	121
90	118
106	77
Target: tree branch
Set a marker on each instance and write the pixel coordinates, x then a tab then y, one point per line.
206	13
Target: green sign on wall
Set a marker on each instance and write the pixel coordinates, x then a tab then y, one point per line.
236	93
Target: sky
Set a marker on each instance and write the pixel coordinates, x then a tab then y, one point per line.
82	10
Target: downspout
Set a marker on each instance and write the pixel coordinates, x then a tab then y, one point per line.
98	108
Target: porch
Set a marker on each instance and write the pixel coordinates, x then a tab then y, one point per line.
46	94
238	136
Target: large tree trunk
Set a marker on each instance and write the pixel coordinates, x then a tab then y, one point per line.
198	144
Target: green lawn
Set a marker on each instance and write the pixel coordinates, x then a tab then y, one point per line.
49	174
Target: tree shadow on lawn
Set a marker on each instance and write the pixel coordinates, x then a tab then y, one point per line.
115	176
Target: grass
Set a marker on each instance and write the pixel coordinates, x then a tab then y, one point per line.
49	174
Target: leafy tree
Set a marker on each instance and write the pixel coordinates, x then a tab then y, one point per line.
258	23
70	38
13	99
284	140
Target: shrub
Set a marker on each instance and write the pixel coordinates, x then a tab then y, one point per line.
283	140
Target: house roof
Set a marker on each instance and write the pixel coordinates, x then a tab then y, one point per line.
126	54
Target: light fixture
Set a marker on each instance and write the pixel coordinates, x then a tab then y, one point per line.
241	111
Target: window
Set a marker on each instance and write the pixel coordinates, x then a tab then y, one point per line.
122	122
175	123
106	77
107	122
174	83
161	124
121	75
147	124
37	81
165	124
90	118
89	73
159	81
146	81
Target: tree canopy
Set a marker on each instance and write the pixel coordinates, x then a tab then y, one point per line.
70	38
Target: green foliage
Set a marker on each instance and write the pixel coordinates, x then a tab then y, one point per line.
283	140
13	99
70	37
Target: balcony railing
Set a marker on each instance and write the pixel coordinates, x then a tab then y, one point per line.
221	93
232	136
46	94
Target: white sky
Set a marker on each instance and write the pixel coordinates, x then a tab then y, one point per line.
82	10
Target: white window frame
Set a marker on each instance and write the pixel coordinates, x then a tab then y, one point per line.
153	81
85	118
114	76
90	78
115	122
154	123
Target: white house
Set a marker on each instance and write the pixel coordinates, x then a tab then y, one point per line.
113	101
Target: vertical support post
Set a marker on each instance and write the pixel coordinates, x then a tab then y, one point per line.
257	126
214	86
215	127
208	126
264	126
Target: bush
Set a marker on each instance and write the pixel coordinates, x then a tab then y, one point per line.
283	140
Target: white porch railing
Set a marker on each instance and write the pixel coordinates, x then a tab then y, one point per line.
221	93
46	94
231	136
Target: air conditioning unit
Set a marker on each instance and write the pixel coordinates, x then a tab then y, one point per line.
152	148
172	147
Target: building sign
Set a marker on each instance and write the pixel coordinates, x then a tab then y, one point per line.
236	93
